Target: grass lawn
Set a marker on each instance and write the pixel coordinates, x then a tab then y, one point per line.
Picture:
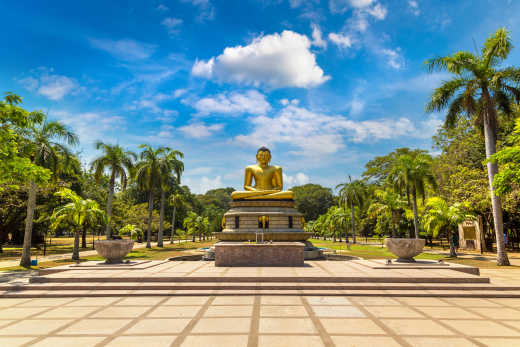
155	253
378	252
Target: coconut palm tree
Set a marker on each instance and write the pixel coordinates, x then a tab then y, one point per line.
76	213
148	178
171	167
43	145
195	225
480	87
176	200
351	194
119	163
439	216
416	173
388	204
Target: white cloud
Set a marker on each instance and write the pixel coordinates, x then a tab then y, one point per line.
314	134
204	7
234	103
342	40
276	61
340	6
377	11
414	7
297	180
393	57
202	185
151	102
125	49
172	24
200	130
162	7
317	39
51	86
422	83
177	93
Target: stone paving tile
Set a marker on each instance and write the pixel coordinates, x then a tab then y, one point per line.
282	311
120	312
435	341
229	311
33	326
222	325
351	326
287	325
416	327
280	300
101	301
20	312
337	311
393	312
14	341
174	311
158	326
289	341
327	300
67	312
233	300
142	341
140	301
435	302
481	328
68	341
95	327
215	341
499	342
47	302
448	312
472	302
376	301
186	300
364	341
497	313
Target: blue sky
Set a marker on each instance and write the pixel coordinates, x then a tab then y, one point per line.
326	84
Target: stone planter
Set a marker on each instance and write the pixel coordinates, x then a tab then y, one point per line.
113	250
405	249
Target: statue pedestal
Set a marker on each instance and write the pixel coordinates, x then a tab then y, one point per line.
264	254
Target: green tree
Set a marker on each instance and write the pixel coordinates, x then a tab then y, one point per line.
415	172
439	216
77	213
133	231
42	144
312	200
478	88
352	194
170	167
509	160
148	178
119	163
195	225
176	200
389	205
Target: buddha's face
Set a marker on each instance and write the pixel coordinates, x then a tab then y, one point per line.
263	157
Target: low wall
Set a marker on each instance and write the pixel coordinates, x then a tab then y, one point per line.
267	254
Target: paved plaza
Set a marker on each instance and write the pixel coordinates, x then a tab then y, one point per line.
259	321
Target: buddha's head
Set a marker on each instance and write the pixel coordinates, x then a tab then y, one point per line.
263	156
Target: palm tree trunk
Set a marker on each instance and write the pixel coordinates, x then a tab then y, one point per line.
111	185
353	224
453	254
25	260
173	224
492	168
415	216
75	251
161	220
150	210
84	237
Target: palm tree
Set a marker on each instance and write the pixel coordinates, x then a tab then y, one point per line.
148	178
351	194
416	173
42	147
389	204
192	224
176	200
439	216
77	212
169	165
477	90
120	164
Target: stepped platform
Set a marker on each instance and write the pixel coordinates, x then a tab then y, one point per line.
200	278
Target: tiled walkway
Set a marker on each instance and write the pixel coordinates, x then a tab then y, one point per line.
259	321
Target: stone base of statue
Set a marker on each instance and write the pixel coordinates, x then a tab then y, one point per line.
275	225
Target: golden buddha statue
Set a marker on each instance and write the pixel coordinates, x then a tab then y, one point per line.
268	180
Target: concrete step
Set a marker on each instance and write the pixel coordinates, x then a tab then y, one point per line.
256	279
